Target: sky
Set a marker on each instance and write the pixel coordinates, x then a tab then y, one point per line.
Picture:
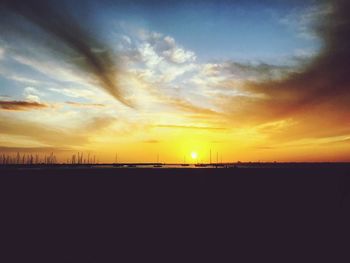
249	80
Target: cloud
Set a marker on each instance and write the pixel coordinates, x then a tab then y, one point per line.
157	68
44	64
98	123
343	141
326	79
84	105
40	133
21	105
316	95
149	55
32	94
162	69
166	47
230	75
176	54
151	141
74	93
192	127
305	21
185	105
258	71
162	78
2	53
175	101
52	135
21	79
67	37
155	56
6	149
164	81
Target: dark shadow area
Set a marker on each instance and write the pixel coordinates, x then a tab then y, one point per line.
221	215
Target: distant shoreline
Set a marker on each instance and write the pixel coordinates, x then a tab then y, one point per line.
237	165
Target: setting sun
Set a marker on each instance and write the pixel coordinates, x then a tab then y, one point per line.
194	155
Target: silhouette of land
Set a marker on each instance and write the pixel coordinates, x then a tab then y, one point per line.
270	182
281	210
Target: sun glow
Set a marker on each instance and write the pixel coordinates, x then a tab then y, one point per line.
194	155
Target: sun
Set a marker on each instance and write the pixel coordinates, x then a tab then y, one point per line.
194	155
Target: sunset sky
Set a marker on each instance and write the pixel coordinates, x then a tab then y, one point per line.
251	80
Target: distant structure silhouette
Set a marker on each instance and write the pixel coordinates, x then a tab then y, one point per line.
158	164
45	159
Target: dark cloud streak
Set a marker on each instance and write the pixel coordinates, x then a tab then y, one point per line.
21	105
316	96
58	21
327	79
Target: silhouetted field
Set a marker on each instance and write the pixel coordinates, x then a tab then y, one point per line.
308	187
246	214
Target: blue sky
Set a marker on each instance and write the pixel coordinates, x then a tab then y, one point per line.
243	31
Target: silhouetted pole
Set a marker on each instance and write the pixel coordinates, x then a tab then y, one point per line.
217	159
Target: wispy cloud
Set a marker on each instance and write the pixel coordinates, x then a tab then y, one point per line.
2	52
74	92
170	126
151	141
5	149
84	105
97	123
304	22
187	106
40	133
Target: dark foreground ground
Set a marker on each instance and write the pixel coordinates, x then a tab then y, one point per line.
280	214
